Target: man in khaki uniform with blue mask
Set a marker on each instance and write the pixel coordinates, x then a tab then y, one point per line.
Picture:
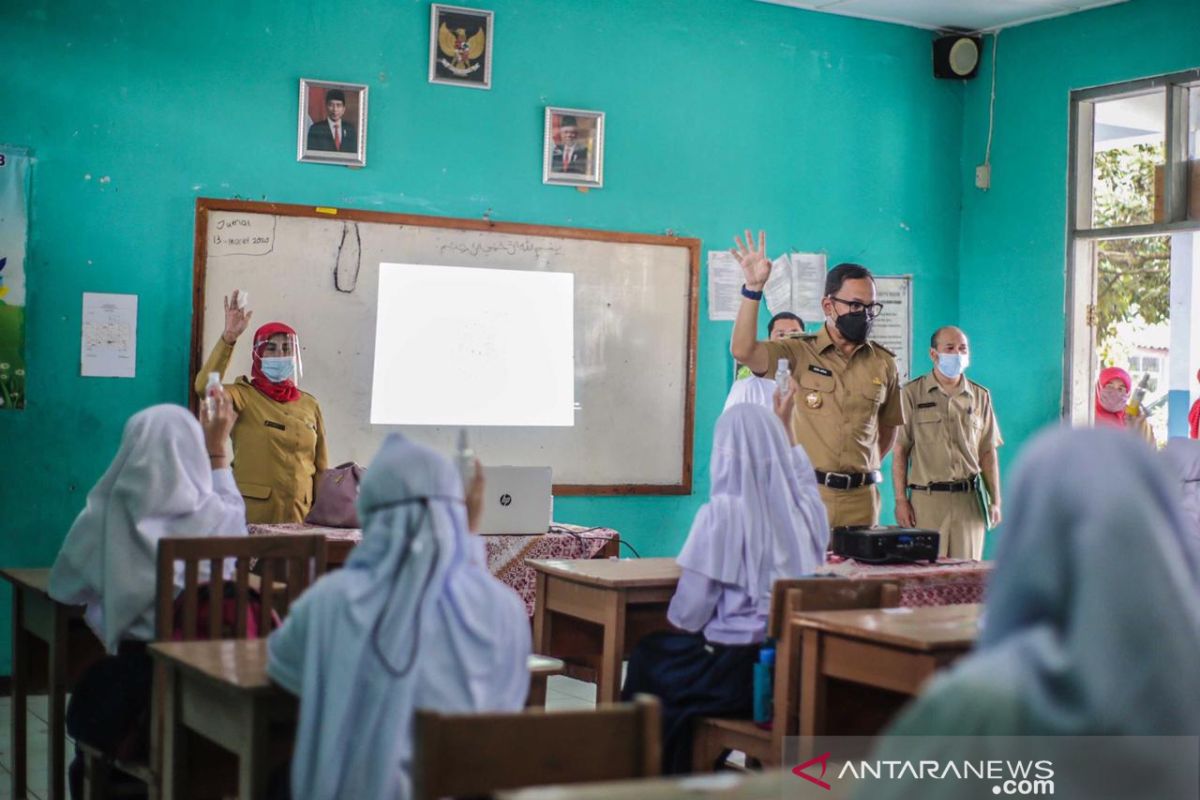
848	408
946	447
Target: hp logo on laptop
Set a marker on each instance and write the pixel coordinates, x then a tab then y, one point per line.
506	499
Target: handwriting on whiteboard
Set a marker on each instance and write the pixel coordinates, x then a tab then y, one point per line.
505	246
241	234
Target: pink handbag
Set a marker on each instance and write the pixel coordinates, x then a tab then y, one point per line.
337	497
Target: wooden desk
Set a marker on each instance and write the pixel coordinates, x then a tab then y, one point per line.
772	785
220	690
51	647
893	649
593	611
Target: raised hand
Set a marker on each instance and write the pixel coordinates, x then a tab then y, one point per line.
475	498
236	319
756	267
216	420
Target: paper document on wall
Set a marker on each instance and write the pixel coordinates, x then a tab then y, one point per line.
893	327
109	346
796	284
724	285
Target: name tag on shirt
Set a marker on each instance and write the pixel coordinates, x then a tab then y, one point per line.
927	405
820	370
274	425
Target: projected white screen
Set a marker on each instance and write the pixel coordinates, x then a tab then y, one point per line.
467	346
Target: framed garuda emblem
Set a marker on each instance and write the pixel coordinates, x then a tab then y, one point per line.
460	46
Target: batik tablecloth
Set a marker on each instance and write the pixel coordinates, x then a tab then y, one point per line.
948	582
506	554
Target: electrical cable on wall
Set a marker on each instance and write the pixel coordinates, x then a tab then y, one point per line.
983	174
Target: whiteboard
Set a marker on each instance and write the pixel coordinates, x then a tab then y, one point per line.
893	326
317	269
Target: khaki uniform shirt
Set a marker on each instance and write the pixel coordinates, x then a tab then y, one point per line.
947	435
278	448
842	401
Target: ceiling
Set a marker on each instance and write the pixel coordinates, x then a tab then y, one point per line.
967	15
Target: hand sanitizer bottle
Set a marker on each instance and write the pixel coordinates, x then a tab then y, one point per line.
466	460
212	391
783	378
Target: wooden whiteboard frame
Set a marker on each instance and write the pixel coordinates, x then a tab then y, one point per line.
200	259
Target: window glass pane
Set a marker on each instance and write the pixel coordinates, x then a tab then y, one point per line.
1127	161
1193	148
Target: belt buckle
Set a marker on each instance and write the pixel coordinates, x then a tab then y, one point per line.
842	475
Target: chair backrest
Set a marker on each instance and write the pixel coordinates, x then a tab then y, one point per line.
287	565
830	594
811	594
472	755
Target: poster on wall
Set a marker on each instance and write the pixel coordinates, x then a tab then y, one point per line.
14	224
893	326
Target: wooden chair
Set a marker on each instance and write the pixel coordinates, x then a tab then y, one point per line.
474	755
288	565
715	737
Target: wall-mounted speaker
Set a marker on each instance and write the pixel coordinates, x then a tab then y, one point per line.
956	57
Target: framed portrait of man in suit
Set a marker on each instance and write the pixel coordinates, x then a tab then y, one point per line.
333	123
573	147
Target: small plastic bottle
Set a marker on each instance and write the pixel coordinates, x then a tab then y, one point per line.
212	390
466	460
783	378
764	691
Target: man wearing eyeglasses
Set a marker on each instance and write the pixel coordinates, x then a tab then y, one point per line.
849	407
950	437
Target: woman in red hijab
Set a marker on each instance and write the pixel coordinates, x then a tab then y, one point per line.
1112	403
279	437
1194	417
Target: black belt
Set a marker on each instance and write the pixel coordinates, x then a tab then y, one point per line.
969	485
848	480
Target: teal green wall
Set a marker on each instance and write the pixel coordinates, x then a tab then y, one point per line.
828	132
1012	273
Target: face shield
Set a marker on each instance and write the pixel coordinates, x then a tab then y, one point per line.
277	357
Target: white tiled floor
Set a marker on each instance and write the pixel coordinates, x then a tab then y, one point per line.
38	756
561	693
564	693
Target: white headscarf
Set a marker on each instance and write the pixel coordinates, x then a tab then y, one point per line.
753	389
764	519
1184	457
160	484
414	620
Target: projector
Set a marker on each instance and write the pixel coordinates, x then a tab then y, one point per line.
886	545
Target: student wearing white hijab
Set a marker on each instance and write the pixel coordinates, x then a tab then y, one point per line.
171	477
764	521
1092	625
414	620
1183	455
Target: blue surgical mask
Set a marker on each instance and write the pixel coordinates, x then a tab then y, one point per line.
953	364
278	369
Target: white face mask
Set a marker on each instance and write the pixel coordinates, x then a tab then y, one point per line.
953	364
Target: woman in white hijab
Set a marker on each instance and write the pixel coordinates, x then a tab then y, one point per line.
414	620
1184	457
764	521
171	477
1092	625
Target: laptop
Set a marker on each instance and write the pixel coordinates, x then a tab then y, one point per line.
515	500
